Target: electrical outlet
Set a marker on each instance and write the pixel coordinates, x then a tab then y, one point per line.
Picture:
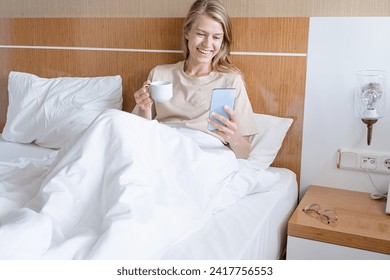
386	163
377	162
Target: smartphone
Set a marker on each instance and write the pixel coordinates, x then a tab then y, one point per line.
219	98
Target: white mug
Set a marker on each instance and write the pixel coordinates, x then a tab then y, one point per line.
161	91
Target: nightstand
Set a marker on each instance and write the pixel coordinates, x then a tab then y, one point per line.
361	231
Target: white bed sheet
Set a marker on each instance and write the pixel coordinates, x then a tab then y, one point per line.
11	152
253	228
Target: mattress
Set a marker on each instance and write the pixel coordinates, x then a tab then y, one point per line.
253	228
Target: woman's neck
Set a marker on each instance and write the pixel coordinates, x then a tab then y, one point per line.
198	70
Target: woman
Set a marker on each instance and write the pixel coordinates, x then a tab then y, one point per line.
206	42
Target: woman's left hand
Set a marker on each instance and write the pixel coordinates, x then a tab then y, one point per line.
229	131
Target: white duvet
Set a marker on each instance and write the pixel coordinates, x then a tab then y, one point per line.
127	188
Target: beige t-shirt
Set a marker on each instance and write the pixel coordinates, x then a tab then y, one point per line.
191	99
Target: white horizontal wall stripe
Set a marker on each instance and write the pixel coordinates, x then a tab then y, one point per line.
268	54
89	49
140	50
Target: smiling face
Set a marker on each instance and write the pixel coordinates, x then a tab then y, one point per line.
204	41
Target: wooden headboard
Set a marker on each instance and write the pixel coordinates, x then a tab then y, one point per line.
271	52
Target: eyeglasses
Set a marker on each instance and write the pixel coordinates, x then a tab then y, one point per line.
326	215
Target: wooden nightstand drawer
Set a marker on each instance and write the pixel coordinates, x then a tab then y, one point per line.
362	222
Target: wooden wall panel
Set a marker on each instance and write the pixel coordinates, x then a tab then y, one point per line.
288	35
276	86
285	35
97	33
270	52
178	8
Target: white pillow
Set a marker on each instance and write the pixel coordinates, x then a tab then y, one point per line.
49	112
266	144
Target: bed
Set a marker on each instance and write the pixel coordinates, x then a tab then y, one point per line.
83	179
73	182
252	228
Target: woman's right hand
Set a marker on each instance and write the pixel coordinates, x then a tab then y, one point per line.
144	101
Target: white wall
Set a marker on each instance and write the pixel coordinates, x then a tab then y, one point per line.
338	48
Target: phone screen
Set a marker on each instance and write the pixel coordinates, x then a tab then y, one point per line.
219	98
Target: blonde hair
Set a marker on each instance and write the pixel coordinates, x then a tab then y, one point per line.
214	9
